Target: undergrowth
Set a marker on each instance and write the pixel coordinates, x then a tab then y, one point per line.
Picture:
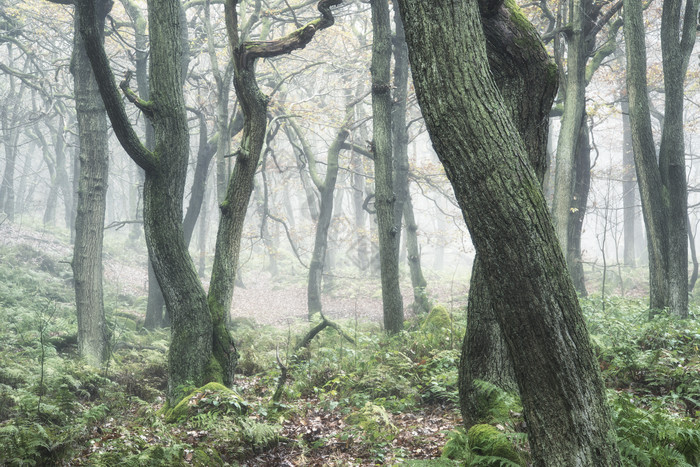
54	410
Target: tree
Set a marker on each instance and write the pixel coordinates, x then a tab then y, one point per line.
517	72
92	192
662	185
384	191
572	177
502	203
404	204
201	347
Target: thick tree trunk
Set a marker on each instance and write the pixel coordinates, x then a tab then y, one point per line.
384	194
92	190
676	49
501	199
518	73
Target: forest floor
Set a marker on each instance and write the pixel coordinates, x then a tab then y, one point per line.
379	400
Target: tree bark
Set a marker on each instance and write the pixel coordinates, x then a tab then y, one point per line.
500	196
629	187
92	190
384	195
518	72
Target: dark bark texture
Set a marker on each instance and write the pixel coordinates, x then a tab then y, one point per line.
500	196
518	72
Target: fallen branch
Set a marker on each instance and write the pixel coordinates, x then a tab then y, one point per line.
325	323
282	379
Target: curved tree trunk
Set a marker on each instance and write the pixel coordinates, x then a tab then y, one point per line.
518	73
500	196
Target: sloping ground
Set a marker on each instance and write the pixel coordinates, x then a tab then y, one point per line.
264	299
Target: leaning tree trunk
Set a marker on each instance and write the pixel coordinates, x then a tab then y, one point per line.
92	190
518	73
327	191
384	192
501	199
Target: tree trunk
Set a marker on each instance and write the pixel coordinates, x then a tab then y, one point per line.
384	194
92	190
579	201
662	186
327	190
676	49
574	109
629	187
518	73
404	206
500	196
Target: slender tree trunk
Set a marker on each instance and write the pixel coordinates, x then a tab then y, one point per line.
500	196
574	109
629	186
385	198
92	190
579	201
404	206
327	190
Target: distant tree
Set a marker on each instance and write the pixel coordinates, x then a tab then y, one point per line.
501	199
404	204
662	179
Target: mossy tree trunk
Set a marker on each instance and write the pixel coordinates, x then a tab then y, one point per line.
574	90
155	302
385	198
500	196
662	184
518	62
92	191
190	354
